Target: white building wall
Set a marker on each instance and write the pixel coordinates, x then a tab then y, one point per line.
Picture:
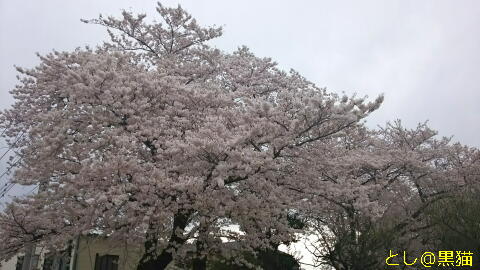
10	264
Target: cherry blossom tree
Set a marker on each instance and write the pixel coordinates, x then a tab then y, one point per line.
159	139
396	176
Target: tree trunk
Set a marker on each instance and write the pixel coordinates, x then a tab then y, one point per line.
200	263
159	263
200	260
153	261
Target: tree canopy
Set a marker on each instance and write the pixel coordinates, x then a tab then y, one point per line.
161	140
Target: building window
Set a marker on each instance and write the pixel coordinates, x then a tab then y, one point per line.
33	262
56	261
19	263
106	262
48	262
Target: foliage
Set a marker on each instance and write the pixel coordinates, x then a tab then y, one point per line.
406	173
455	224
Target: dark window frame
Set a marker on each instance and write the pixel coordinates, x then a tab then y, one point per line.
106	262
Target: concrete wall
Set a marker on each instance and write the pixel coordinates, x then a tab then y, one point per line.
86	250
89	247
10	264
